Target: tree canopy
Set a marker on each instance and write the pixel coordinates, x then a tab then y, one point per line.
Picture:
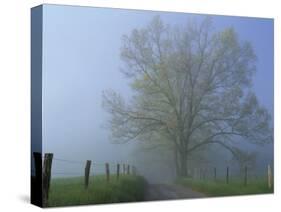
192	88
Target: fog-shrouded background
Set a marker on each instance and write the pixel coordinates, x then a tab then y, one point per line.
81	58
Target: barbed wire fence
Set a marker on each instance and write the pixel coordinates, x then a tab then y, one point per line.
43	170
229	174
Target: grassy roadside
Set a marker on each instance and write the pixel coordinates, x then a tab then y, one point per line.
220	188
71	191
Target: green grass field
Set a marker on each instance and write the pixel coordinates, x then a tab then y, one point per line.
220	188
71	191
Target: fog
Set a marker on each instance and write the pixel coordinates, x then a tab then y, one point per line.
81	59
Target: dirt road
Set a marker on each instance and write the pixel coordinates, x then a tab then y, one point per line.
169	191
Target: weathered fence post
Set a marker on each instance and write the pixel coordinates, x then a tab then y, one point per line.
87	173
215	174
38	165
204	174
227	175
47	167
269	176
118	171
37	180
128	169
246	176
107	172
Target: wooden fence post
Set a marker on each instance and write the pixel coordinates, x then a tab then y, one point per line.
87	173
118	171
204	174
215	174
38	165
37	180
128	169
107	172
246	176
269	176
47	167
227	175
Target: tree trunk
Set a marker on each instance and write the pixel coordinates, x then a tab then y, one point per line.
177	162
183	164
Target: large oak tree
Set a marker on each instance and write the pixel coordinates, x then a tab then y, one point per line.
192	89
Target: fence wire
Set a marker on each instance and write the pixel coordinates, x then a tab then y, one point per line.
96	168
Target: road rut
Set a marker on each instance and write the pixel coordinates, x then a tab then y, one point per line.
170	191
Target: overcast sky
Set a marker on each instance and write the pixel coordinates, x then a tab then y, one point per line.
81	47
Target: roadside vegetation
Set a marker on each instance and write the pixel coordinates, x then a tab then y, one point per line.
71	191
220	188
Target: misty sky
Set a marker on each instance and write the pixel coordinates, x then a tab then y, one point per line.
81	48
